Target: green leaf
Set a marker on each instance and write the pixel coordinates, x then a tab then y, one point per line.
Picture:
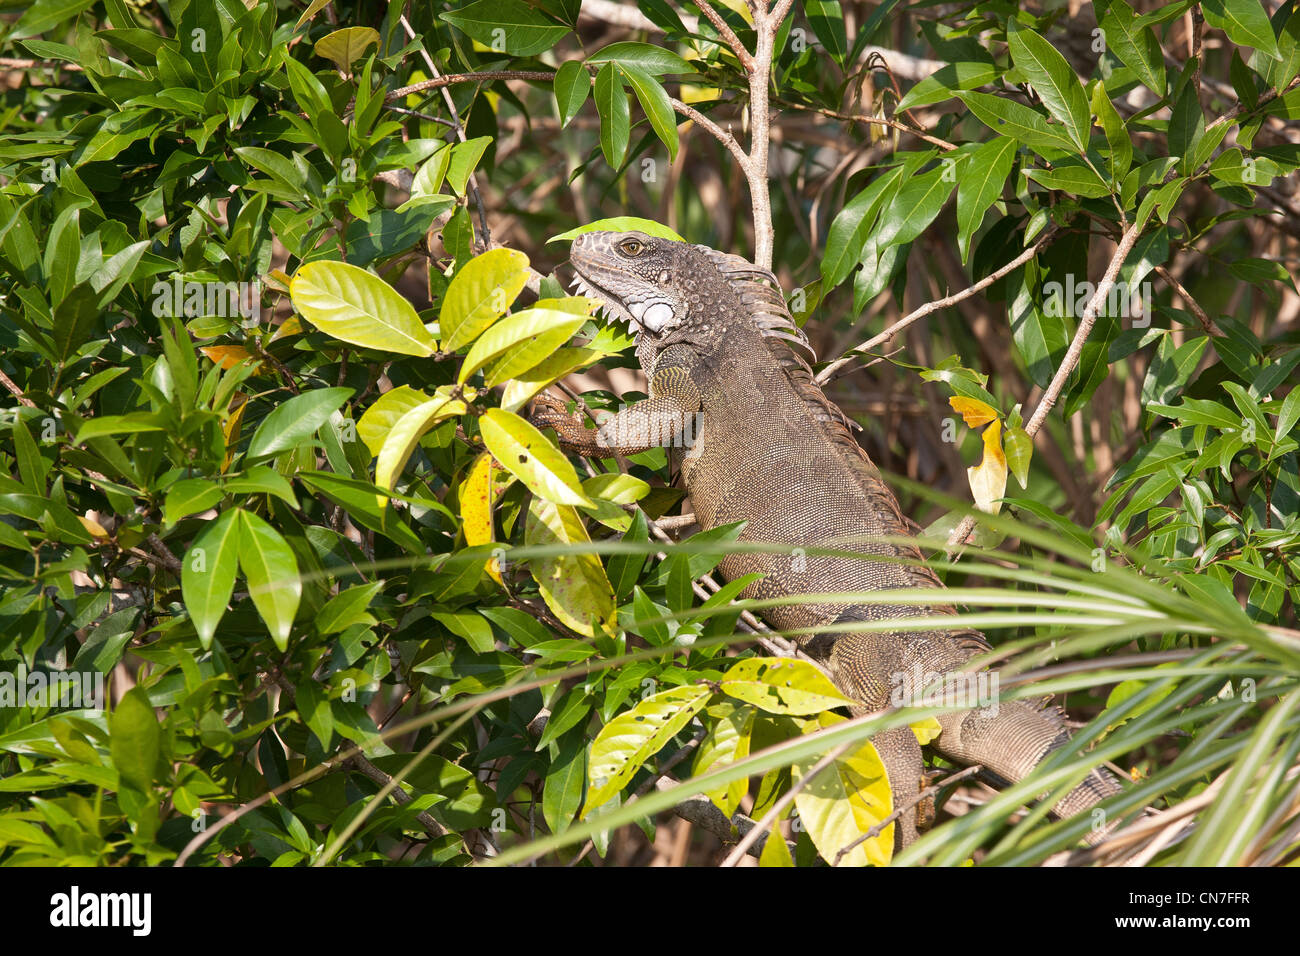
135	739
980	184
658	110
528	455
508	26
633	737
620	224
1009	118
1186	128
188	496
480	294
464	158
615	120
359	308
1136	46
272	573
572	86
826	18
850	228
347	608
1077	179
295	421
944	84
313	705
1053	79
208	574
565	779
1019	449
782	686
1244	21
652	59
1117	138
528	336
914	207
344	47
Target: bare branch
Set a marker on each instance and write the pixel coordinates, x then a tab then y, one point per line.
727	34
829	372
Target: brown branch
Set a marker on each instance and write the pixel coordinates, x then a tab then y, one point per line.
829	372
438	82
10	384
724	31
876	121
1264	98
1195	307
725	138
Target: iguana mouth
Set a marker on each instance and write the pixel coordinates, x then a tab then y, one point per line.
610	306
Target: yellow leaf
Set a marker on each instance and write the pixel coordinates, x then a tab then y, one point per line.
988	480
926	730
378	420
528	455
96	529
521	340
478	494
549	371
480	294
974	412
844	801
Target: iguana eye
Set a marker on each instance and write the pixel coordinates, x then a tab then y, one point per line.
631	247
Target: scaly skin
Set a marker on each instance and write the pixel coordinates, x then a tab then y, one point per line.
756	440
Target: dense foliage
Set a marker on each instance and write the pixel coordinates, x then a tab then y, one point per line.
277	284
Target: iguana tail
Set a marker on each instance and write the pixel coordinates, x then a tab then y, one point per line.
1013	738
1007	738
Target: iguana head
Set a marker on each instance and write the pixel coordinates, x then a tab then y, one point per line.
660	286
636	277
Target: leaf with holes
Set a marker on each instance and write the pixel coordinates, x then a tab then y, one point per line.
632	738
782	686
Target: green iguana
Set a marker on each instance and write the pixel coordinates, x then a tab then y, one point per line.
767	447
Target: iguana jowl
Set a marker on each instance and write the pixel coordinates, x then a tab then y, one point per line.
769	448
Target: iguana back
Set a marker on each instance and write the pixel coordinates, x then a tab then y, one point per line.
756	440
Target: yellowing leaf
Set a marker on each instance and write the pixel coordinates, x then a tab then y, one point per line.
781	685
844	801
776	852
618	488
480	294
359	308
344	47
633	737
988	479
379	419
573	585
549	371
96	529
528	455
620	224
523	339
728	742
400	442
974	412
228	356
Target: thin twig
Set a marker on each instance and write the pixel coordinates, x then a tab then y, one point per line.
778	808
830	371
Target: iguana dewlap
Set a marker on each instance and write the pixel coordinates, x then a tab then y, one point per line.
767	447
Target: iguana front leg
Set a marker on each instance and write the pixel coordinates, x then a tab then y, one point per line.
659	421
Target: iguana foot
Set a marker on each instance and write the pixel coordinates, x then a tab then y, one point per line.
570	428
